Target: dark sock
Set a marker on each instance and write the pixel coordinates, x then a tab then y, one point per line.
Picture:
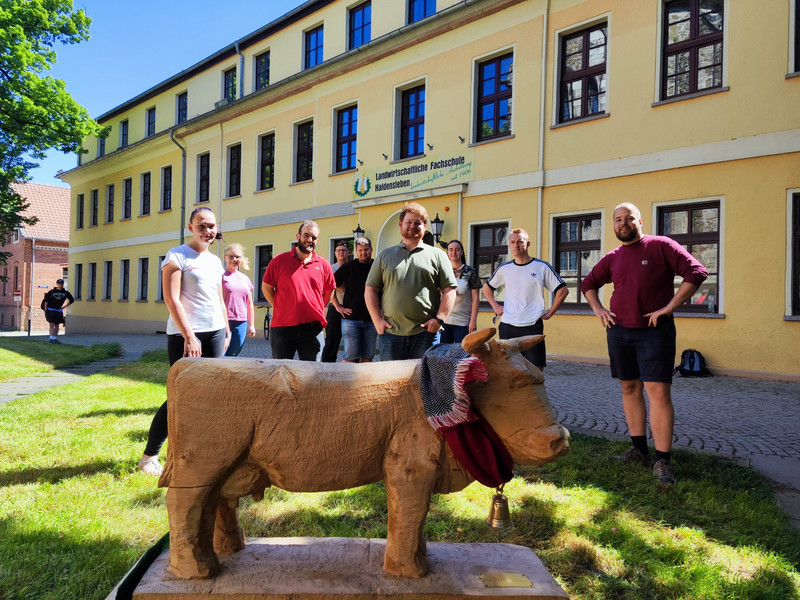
662	456
640	443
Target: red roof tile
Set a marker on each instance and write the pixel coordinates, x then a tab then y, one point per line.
51	205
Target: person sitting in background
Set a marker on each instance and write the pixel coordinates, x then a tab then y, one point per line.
237	291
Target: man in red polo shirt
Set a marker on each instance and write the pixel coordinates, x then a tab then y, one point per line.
298	285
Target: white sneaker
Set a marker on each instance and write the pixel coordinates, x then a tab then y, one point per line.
150	465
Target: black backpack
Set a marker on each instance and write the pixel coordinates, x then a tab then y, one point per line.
692	364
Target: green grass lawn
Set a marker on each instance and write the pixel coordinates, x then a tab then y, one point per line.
23	357
75	514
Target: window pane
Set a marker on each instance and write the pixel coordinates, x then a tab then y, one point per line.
591	229
485	238
674	223
574	63
501	238
706	254
710	16
569	231
504	118
575	45
705	220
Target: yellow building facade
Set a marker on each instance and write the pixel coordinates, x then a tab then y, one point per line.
493	114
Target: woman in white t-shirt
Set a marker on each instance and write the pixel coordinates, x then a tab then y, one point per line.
463	318
191	278
237	292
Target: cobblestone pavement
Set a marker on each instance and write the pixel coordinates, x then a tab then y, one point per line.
754	421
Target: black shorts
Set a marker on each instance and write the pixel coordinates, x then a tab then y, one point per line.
646	354
538	354
54	316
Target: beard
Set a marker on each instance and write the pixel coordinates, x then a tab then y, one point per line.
628	235
306	248
412	233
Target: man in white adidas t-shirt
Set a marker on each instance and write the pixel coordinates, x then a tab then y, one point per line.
523	310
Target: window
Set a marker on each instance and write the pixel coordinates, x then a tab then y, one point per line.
577	241
5	281
360	25
234	170
92	281
15	235
78	281
582	89
16	276
692	53
93	209
696	228
108	273
304	158
494	98
166	188
110	203
313	54
203	174
229	85
796	255
419	9
144	201
144	274
123	133
79	210
490	248
151	122
266	162
124	279
796	67
159	290
346	133
127	194
412	122
262	71
263	256
181	107
101	147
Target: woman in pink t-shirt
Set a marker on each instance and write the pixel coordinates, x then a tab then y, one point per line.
237	291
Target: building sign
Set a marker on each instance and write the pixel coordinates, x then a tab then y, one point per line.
414	176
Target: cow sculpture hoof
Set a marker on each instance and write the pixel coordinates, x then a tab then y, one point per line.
193	568
414	570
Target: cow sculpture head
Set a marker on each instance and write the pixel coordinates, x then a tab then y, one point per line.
514	400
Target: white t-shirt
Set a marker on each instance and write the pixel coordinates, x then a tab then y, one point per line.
201	276
523	304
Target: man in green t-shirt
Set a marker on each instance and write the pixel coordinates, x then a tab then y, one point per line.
410	290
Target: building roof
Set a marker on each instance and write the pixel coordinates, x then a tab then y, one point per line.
51	205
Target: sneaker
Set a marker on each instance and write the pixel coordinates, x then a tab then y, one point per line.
632	455
54	342
663	472
150	465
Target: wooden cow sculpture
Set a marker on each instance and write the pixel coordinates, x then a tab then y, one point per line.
239	426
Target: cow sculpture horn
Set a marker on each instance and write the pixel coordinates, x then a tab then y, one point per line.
529	341
474	342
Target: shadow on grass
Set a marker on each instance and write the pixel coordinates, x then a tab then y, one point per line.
58	474
117	412
60	356
53	565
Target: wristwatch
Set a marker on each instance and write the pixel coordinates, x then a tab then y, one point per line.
441	321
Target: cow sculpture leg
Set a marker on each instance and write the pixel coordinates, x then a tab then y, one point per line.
192	515
228	535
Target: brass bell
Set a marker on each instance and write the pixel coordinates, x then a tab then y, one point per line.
499	516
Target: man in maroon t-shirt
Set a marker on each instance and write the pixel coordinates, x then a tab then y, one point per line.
298	284
640	329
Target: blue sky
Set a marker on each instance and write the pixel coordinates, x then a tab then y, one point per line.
135	45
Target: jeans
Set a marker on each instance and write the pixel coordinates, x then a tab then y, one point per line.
402	347
238	336
453	334
333	335
285	341
360	338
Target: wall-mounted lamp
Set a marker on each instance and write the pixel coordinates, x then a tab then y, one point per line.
358	232
436	228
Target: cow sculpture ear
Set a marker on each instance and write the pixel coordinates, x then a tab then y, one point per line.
475	343
527	342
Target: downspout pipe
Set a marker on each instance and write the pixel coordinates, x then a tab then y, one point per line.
33	281
183	184
241	69
542	120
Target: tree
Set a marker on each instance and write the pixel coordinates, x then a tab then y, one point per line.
36	111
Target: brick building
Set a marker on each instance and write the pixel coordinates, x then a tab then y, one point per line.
39	256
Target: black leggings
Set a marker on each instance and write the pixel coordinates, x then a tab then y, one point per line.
212	344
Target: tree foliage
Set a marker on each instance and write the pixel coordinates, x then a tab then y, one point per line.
36	111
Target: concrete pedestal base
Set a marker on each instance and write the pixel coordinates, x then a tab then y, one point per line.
352	569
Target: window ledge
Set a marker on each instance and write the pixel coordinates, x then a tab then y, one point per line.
165	210
499	138
272	189
301	182
145	215
575	310
345	172
793	75
408	158
234	197
581	120
124	219
791	318
144	300
122	299
690	96
699	315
